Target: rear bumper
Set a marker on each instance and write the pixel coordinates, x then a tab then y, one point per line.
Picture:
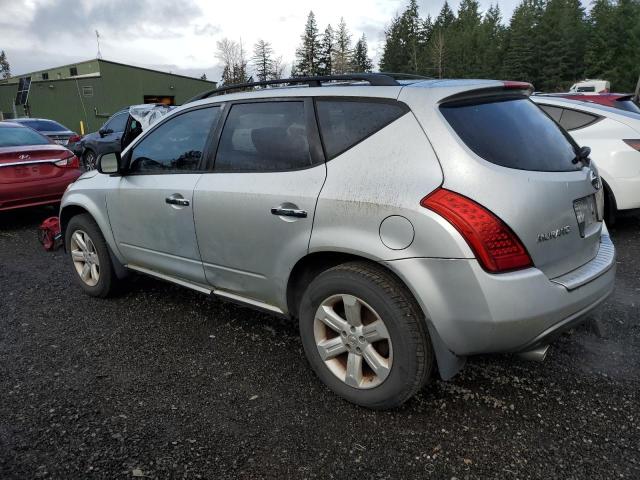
476	312
627	192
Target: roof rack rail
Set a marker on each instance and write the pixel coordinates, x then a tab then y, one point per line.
374	79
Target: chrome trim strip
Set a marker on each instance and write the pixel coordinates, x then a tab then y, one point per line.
208	290
234	270
157	252
604	260
249	301
31	162
168	278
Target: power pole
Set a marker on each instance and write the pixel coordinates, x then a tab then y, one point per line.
98	42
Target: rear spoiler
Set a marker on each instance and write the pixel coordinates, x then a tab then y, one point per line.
508	87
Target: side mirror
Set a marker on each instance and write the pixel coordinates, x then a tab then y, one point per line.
109	163
105	131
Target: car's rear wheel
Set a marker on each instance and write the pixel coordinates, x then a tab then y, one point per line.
364	335
89	159
89	256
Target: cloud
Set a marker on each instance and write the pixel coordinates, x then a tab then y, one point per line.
207	29
140	18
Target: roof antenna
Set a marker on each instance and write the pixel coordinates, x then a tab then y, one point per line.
98	42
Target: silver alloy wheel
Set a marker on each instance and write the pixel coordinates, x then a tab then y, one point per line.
85	258
89	161
353	341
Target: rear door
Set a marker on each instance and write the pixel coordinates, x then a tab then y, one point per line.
528	175
151	208
254	211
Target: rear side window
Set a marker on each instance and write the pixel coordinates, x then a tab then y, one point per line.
572	119
513	133
263	137
554	112
344	123
117	122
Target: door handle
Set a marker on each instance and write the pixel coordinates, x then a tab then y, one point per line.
173	200
289	212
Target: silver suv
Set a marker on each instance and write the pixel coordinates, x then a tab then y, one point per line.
406	224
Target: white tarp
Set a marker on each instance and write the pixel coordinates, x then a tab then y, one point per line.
148	114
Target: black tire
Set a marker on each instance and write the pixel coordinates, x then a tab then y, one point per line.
610	209
89	159
413	357
105	285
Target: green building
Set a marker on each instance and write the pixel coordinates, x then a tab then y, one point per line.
92	91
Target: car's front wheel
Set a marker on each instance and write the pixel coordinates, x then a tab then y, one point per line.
364	335
89	256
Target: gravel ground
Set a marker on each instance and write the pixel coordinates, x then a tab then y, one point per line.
162	382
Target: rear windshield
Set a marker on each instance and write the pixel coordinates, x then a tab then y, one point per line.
18	136
627	105
44	125
512	133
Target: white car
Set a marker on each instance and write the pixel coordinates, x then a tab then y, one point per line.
614	138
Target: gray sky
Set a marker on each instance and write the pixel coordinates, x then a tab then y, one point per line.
180	36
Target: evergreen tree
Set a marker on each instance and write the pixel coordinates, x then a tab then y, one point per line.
307	55
361	60
563	37
626	63
521	40
465	50
440	40
394	55
263	60
492	43
601	48
327	51
342	58
5	68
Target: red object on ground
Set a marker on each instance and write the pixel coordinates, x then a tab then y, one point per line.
35	173
49	233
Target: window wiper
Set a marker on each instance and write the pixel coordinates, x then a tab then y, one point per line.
582	155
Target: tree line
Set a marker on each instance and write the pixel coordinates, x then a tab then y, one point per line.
550	43
331	52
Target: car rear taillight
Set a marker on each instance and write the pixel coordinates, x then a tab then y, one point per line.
69	162
75	138
635	144
495	245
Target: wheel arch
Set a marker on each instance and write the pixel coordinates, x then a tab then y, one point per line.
311	265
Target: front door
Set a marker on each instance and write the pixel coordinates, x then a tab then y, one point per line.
151	209
255	211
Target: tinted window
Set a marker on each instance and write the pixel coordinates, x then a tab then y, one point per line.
117	122
554	112
44	125
344	123
627	105
177	144
586	89
16	136
513	133
262	137
572	119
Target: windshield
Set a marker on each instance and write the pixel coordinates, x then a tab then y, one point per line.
44	125
513	133
19	136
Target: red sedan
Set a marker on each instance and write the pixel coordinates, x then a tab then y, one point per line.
33	169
